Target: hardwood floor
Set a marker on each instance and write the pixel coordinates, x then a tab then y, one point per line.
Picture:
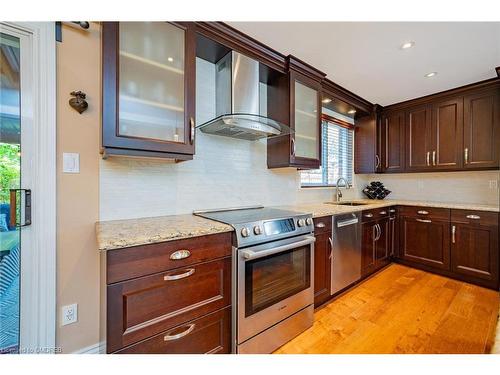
403	310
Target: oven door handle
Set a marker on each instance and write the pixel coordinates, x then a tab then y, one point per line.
250	255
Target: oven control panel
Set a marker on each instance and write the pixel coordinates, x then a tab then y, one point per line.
269	230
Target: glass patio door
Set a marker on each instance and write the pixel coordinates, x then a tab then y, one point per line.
10	182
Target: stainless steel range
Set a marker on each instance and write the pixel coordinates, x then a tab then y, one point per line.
273	278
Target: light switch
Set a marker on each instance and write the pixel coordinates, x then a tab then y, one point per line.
71	162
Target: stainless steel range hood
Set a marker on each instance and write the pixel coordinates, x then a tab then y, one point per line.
238	102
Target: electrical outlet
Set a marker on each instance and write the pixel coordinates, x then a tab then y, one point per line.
69	314
493	184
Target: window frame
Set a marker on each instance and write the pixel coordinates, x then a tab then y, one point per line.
344	124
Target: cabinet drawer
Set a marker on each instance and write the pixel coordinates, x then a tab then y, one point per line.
322	225
124	264
474	217
374	214
210	334
140	308
425	212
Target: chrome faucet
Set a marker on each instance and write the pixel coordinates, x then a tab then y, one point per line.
338	193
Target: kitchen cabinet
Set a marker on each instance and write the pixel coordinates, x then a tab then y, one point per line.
425	236
418	138
167	290
392	144
148	89
322	259
482	130
295	100
375	240
394	233
474	246
450	131
210	334
447	134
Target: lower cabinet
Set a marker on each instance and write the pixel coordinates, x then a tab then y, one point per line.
210	334
185	308
425	241
474	246
375	244
322	259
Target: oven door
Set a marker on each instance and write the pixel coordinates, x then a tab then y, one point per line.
274	281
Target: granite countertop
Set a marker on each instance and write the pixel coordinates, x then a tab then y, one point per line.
118	234
326	209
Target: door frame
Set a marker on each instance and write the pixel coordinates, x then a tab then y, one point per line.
38	265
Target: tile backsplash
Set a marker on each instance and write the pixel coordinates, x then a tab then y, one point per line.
228	172
467	187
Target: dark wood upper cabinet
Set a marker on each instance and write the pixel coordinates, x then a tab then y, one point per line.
482	130
447	134
367	142
418	138
295	100
149	73
392	143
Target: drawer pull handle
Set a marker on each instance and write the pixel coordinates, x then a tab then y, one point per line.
383	212
186	332
368	215
423	212
180	254
392	211
320	225
178	276
474	217
424	221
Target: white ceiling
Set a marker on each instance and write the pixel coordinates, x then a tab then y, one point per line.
365	57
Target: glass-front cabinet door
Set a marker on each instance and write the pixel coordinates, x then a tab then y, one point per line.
149	88
306	120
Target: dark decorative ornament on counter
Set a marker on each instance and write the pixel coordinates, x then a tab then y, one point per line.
376	190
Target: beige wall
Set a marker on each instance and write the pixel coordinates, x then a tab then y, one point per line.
78	68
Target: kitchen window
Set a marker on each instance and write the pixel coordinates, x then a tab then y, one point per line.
337	140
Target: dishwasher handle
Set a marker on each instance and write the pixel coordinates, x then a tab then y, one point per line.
346	223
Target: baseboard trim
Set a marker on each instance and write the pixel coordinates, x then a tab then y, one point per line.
97	348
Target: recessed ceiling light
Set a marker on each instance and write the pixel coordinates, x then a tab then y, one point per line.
407	45
431	74
170	59
326	100
351	111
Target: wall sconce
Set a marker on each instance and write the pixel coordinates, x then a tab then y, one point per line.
78	103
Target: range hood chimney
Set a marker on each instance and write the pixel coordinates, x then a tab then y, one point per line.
238	102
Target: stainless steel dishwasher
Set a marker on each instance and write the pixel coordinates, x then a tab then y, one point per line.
346	258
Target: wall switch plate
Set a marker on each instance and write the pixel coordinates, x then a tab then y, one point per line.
493	184
69	314
71	162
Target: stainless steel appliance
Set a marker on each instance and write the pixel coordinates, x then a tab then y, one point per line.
238	114
346	258
273	278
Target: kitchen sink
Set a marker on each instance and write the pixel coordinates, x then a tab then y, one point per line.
347	203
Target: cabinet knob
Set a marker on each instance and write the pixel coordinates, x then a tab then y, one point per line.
320	225
368	215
